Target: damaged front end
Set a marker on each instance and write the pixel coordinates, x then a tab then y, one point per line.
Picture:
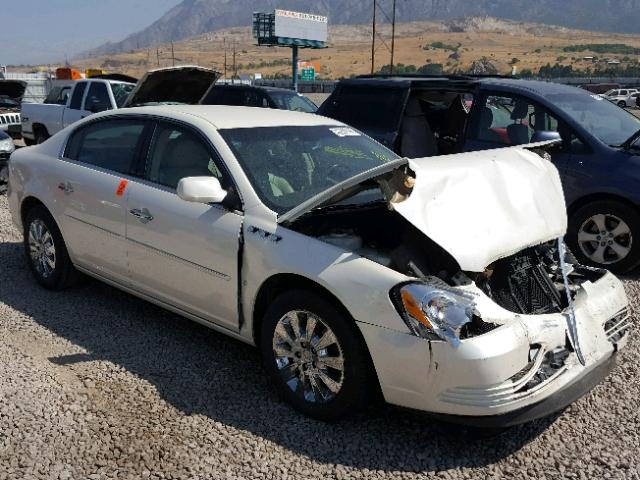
509	317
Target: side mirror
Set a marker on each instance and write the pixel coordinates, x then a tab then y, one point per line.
201	190
545	136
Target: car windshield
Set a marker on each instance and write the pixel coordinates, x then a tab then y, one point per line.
121	91
289	165
293	101
602	119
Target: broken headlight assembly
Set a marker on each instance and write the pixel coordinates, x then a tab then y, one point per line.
434	313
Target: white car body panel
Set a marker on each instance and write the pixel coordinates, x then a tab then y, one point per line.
210	264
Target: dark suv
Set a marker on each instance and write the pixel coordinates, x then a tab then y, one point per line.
256	96
598	157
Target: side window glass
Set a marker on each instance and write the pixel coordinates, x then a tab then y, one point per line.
110	144
177	153
98	98
505	120
76	99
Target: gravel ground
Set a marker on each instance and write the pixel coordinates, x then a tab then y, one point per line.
95	383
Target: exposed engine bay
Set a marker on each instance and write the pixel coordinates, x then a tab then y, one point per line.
528	282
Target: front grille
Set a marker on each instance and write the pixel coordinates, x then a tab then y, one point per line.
8	119
617	327
520	284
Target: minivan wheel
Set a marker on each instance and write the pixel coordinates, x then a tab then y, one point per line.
606	234
46	251
314	356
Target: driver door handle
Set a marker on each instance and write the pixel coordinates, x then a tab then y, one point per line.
143	215
65	187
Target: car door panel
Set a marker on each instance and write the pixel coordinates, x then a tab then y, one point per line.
186	255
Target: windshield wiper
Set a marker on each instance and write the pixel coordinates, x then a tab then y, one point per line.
628	143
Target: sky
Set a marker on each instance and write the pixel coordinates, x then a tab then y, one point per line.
41	31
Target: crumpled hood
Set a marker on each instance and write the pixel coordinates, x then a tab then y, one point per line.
185	84
487	205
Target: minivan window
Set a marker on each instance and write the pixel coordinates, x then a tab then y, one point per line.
76	98
109	144
604	120
293	101
372	109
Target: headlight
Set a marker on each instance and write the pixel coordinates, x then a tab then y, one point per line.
7	145
433	313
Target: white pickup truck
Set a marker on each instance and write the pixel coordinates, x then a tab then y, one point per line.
181	84
42	120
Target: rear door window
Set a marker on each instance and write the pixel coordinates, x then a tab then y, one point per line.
98	98
78	93
110	144
225	96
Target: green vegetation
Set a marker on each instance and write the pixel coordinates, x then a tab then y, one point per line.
426	69
557	70
442	46
515	60
618	48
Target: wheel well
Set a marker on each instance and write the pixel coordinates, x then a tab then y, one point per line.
581	202
281	283
27	204
38	127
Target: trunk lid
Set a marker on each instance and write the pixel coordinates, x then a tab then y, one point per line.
183	85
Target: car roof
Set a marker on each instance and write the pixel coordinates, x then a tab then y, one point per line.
538	87
224	116
257	87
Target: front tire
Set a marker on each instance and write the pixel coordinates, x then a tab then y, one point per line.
46	251
314	356
606	234
622	104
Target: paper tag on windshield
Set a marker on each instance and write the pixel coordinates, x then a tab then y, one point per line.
345	132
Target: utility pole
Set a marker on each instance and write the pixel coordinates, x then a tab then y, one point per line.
373	39
173	56
224	43
158	56
235	71
393	34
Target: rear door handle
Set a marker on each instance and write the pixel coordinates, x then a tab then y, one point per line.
65	187
143	215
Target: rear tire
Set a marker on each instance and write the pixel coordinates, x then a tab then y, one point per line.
321	366
606	234
46	252
622	104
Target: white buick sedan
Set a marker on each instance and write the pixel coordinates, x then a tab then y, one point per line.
441	282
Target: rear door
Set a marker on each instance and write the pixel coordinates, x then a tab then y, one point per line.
183	253
91	186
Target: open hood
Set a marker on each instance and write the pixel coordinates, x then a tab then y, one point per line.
478	206
186	85
14	89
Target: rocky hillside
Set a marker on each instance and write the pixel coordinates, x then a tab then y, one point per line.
194	17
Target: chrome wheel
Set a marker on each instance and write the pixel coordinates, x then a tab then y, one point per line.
42	248
605	239
308	356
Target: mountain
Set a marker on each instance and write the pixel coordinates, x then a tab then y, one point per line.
194	17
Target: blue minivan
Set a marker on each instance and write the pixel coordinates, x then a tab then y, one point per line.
598	156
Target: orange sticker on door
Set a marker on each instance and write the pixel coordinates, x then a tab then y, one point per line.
121	188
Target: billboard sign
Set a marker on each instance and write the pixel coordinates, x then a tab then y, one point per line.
304	26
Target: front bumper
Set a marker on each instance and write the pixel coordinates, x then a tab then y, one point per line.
495	378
